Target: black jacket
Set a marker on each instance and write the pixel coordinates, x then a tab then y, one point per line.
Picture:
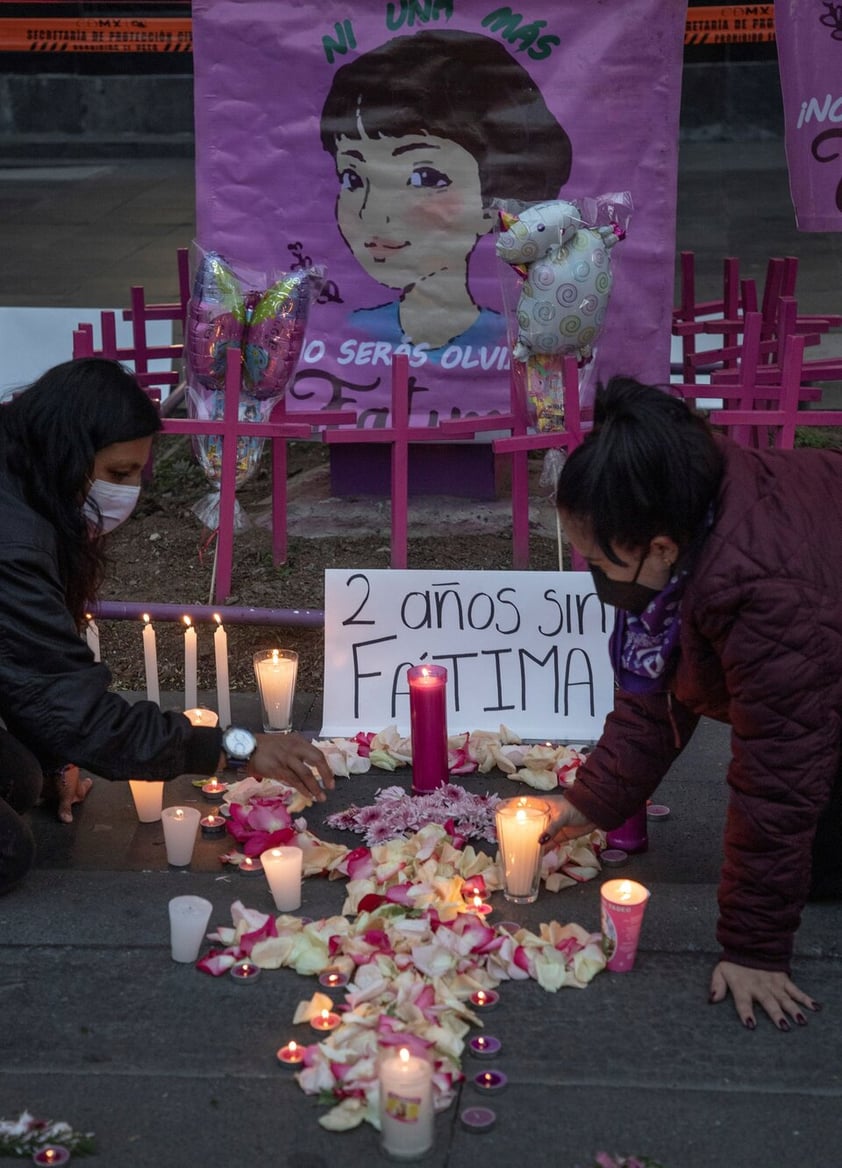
53	696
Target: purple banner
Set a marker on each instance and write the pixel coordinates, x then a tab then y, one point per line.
376	138
809	35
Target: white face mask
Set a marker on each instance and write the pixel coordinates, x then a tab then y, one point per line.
116	501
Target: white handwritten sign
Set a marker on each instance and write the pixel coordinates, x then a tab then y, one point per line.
527	649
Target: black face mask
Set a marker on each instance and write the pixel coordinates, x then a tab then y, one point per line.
626	594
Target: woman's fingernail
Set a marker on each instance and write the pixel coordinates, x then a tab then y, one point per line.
544	838
749	1023
800	1019
783	1024
816	1006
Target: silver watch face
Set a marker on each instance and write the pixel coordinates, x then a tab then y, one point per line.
238	743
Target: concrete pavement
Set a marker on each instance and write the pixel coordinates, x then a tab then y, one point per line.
173	1069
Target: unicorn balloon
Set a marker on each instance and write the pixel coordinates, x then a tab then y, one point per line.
567	278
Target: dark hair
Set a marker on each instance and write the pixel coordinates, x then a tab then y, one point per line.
461	86
52	432
649	467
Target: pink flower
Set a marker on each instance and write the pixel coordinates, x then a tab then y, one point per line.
263	824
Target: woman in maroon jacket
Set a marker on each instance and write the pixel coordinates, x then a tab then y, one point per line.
724	566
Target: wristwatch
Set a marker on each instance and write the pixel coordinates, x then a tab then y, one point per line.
239	745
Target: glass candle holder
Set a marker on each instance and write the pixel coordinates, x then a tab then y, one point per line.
407	1119
518	830
275	671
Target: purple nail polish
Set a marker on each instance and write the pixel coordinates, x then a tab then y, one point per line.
544	838
816	1006
800	1019
749	1023
783	1025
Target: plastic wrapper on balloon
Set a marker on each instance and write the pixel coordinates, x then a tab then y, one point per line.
216	318
567	278
561	251
275	334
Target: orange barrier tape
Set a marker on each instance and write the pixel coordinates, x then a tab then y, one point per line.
96	34
708	25
728	24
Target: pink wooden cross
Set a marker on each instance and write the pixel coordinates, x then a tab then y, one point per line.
230	428
398	435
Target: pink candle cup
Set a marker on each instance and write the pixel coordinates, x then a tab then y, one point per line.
623	905
631	836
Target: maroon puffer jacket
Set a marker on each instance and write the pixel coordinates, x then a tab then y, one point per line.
761	648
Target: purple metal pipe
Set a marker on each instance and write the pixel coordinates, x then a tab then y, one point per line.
131	610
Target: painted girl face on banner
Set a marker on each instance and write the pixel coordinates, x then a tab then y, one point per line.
409	208
425	131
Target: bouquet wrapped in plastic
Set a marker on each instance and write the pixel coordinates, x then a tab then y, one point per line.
265	317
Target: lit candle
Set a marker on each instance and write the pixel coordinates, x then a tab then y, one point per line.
223	691
251	866
245	971
290	1055
148	799
53	1154
326	1020
283	871
479	906
276	671
406	1105
490	1081
150	660
484	1046
190	665
623	904
428	726
213	824
518	832
214	791
333	978
485	999
189	916
180	827
92	635
200	716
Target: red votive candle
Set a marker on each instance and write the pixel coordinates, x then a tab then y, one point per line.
428	726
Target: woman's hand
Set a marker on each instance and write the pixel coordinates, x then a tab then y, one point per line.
772	989
296	761
566	823
70	788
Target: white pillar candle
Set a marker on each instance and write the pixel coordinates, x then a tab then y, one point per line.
283	871
223	690
148	799
190	666
406	1104
276	670
92	636
150	660
518	831
180	827
189	916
